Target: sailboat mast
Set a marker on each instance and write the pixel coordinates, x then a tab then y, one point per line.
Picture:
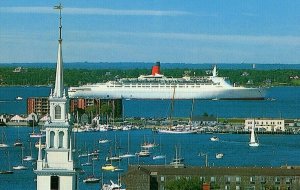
172	106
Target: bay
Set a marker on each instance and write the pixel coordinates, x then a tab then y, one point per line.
285	103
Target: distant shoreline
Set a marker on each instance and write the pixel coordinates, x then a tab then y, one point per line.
78	76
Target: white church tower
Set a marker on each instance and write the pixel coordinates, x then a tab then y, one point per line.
55	169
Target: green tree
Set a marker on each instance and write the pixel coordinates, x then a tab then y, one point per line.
184	184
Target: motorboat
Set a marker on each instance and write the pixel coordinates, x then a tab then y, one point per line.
214	138
219	155
19	98
143	153
109	167
103	141
159	157
91	179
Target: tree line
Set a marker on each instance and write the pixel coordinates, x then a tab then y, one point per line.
76	77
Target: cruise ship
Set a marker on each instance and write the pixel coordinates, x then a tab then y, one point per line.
158	86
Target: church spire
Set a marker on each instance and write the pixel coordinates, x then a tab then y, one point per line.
59	82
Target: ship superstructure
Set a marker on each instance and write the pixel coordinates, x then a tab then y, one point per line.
158	86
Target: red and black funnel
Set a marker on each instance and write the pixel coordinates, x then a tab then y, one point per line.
156	68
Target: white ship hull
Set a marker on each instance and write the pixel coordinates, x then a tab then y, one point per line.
215	93
157	86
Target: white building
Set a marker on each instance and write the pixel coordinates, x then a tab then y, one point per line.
56	169
268	125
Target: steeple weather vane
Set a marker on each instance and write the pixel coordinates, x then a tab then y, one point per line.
59	7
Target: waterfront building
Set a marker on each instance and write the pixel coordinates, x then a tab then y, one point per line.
56	170
204	120
38	105
265	125
3	118
156	177
84	103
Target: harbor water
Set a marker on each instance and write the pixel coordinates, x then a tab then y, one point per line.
274	150
281	102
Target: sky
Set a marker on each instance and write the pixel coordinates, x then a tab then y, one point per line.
170	31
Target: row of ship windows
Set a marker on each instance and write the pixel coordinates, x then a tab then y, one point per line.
169	86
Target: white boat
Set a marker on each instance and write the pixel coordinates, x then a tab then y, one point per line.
253	139
219	155
115	157
3	138
111	186
9	171
19	98
158	86
177	160
34	134
214	138
21	167
88	163
103	141
143	153
159	157
3	145
177	129
18	142
29	157
170	131
92	178
127	154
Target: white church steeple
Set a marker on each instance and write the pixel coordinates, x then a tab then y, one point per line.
56	171
59	80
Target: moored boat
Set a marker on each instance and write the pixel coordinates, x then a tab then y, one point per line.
214	138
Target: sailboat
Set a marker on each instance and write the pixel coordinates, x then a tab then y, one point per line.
159	156
92	178
3	137
34	134
179	129
177	161
88	163
114	157
149	144
21	167
18	142
127	154
29	157
253	139
113	186
9	171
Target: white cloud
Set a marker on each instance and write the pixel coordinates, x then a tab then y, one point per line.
93	11
222	38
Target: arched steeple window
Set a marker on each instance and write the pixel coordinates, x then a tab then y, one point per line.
61	139
57	114
52	135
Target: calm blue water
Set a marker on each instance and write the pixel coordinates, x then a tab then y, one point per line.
287	104
275	150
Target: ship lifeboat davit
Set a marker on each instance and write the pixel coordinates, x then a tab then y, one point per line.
156	68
